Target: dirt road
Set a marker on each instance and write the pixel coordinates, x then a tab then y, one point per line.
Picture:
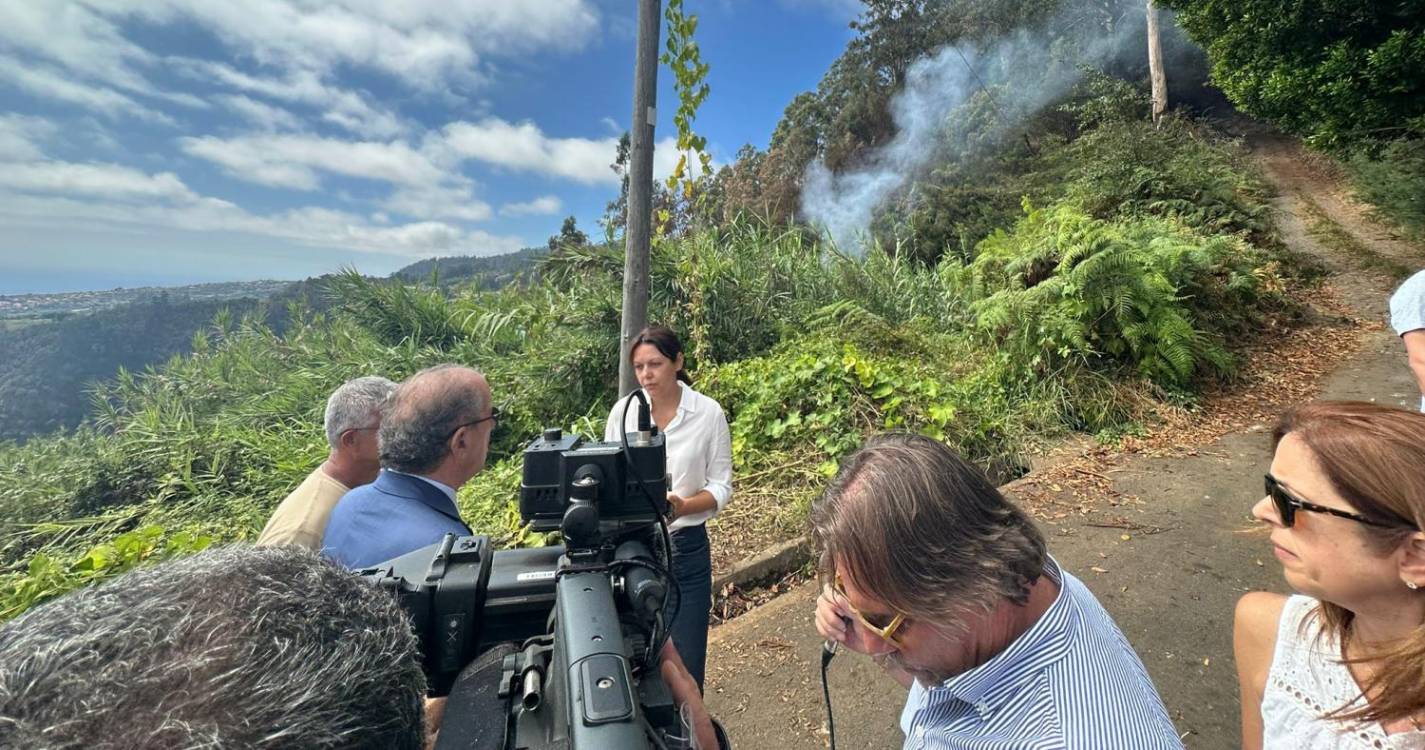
1167	552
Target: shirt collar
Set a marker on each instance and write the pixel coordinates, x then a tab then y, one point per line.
444	488
1043	644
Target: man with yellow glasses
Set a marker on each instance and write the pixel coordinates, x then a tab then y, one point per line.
948	586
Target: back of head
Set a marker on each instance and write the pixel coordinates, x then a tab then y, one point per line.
423	411
237	647
354	405
925	530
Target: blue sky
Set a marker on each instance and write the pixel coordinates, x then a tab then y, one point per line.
181	141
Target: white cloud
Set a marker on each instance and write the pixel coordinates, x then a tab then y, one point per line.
19	136
438	202
265	116
524	147
342	107
293	160
105	180
426	43
80	51
545	205
45	83
75	38
309	226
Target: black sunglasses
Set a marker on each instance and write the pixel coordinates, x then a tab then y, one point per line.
494	417
1287	505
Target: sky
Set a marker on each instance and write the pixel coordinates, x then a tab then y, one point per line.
164	142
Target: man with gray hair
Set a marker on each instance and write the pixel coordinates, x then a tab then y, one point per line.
948	586
353	416
236	647
434	436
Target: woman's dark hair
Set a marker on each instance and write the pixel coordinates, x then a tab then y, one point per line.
665	341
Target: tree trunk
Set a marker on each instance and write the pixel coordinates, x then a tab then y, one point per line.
639	223
1155	66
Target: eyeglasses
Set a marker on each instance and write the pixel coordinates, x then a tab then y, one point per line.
494	417
887	632
1287	505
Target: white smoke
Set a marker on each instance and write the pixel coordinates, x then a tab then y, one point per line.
1020	73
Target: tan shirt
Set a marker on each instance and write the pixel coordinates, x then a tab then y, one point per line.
301	518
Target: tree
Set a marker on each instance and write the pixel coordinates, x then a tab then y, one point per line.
569	236
1155	66
1336	71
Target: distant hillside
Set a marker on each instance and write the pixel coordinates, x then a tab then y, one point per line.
53	347
46	368
62	304
490	272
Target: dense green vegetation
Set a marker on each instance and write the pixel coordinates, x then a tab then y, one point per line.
1100	295
1063	279
46	367
1348	76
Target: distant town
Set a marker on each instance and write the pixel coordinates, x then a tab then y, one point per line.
58	305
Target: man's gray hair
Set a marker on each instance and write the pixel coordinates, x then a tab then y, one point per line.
236	647
355	405
924	531
424	410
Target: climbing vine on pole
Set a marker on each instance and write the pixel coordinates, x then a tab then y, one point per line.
690	73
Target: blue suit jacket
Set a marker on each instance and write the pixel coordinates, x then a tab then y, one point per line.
394	515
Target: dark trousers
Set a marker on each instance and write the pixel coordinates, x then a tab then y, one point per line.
692	569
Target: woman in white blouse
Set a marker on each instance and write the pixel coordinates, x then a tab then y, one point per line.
699	448
1341	664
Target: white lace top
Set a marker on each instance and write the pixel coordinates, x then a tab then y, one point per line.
1307	680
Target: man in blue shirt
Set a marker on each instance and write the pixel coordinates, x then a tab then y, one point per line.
435	432
948	586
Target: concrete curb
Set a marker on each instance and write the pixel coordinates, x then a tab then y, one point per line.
773	562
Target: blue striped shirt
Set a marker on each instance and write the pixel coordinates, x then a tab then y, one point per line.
1070	682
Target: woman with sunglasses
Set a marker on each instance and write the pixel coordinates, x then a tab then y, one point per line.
1341	664
699	456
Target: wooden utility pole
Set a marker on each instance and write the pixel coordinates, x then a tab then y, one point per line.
639	220
1155	66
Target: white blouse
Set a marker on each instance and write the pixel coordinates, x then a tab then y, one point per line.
699	448
1308	680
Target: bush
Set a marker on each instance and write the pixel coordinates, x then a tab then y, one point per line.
1129	168
1393	180
1147	293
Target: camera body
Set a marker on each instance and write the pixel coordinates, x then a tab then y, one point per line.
557	647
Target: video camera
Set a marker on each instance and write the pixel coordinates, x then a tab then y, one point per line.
555	647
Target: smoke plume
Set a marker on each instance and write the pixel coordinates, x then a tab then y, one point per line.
1020	74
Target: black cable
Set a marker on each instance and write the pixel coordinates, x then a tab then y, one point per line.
664	536
828	650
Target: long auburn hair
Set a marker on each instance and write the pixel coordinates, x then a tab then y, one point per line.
1374	457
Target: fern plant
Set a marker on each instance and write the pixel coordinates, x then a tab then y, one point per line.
1065	286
